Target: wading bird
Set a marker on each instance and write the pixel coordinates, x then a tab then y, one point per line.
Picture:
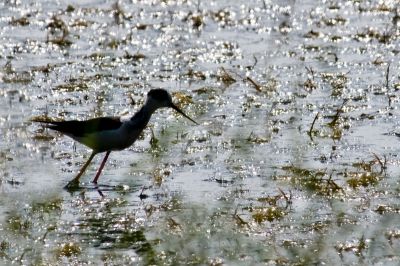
106	134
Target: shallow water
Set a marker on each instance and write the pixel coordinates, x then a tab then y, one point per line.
294	161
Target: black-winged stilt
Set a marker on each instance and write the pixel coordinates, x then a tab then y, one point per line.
106	134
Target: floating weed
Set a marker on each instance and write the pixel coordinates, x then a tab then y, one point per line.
285	27
382	8
338	82
367	166
68	250
62	156
96	56
223	17
43	69
315	181
271	85
364	116
225	77
5	157
337	133
112	44
159	174
313	132
370	175
334	133
132	239
268	87
309	85
182	98
80	23
251	101
312	34
195	241
311	48
58	32
136	240
370	34
196	75
47	206
274	200
240	221
383	209
208	90
154	143
196	20
386	36
22	21
338	20
12	76
19	224
70	8
388	86
356	246
257	139
4	248
149	209
111	257
255	84
334	6
141	26
274	211
173	204
134	57
174	225
269	214
337	116
71	87
119	14
320	226
392	235
378	61
302	172
363	179
57	23
343	218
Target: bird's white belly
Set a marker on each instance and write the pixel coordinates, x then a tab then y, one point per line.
109	140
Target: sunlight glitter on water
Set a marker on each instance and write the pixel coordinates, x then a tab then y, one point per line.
294	161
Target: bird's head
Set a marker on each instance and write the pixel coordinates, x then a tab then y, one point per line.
161	98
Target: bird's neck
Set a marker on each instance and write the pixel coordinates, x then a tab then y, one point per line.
143	116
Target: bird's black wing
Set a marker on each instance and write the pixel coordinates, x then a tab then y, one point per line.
81	128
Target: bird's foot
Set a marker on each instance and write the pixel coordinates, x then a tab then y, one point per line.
143	196
72	185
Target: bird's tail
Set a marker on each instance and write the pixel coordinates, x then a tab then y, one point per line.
49	122
44	119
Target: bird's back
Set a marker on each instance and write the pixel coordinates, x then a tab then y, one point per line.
78	129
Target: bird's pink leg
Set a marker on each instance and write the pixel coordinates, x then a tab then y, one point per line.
101	168
74	182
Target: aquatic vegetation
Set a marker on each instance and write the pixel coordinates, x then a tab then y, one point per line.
267	214
295	160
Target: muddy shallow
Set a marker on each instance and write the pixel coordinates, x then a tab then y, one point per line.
295	160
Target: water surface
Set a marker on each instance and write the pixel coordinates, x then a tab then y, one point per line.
295	160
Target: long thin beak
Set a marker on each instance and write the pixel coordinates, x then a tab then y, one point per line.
173	106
